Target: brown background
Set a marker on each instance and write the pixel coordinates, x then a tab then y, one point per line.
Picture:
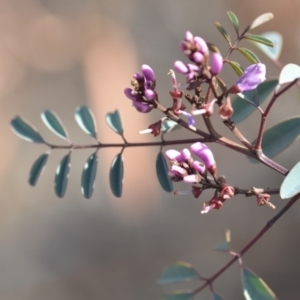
58	54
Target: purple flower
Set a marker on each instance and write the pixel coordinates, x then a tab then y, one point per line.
143	90
251	78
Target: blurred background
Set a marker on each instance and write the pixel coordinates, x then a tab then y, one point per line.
59	54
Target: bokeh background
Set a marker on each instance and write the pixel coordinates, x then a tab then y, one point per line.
59	54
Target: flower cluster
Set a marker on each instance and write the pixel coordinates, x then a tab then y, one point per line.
184	168
196	49
143	92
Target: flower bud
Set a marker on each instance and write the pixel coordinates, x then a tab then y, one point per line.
173	154
197	57
181	172
138	76
188	36
203	152
181	67
192	178
201	45
198	166
216	63
148	73
149	94
185	154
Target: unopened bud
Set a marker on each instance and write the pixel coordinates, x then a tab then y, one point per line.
216	63
148	73
181	67
203	152
201	45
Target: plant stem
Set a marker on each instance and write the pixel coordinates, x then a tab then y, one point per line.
267	111
269	224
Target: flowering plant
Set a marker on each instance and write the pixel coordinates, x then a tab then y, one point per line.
203	94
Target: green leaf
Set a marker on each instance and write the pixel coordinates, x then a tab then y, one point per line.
179	295
291	183
261	20
237	68
217	297
116	175
242	109
169	125
162	173
276	38
289	73
37	169
223	245
114	122
25	130
52	121
62	176
180	271
254	287
249	55
251	97
234	20
85	119
280	136
223	32
89	175
258	39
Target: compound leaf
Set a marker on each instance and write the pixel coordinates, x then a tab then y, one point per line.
37	169
53	122
180	271
85	119
162	173
89	175
114	122
116	176
25	130
254	287
62	176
